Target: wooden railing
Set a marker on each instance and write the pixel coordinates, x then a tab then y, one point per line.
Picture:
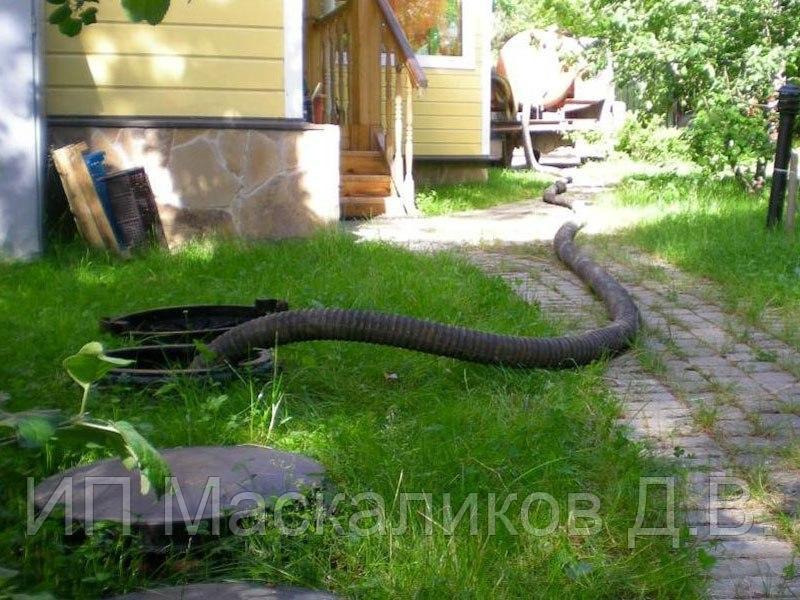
367	73
329	52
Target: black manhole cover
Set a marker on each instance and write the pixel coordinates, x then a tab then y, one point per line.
214	482
181	324
160	364
228	591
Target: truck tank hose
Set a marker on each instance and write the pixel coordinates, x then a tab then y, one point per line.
447	340
553	192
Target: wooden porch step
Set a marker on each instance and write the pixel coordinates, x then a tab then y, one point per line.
369	207
363	162
366	185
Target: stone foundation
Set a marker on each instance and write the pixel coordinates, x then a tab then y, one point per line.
435	173
259	183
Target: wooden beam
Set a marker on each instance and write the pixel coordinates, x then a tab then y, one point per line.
366	73
85	205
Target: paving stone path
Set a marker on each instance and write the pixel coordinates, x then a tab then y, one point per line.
704	388
725	404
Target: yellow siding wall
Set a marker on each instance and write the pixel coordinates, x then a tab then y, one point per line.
214	58
449	115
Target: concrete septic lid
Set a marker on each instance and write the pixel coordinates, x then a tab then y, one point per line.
228	591
242	471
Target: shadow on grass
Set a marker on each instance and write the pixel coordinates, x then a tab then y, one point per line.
436	426
504	186
717	230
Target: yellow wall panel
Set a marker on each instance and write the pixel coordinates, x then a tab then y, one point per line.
447	109
255	13
442	95
445	136
448	149
469	80
448	122
76	70
215	58
155	102
170	40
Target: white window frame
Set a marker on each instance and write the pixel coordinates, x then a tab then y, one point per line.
467	60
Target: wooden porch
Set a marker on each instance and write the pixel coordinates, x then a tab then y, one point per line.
362	74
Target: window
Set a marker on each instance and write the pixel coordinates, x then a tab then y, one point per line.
434	27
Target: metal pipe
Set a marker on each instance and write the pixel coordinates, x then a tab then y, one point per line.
788	107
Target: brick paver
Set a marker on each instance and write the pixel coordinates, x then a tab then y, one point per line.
712	403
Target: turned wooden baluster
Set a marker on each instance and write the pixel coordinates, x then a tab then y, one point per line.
335	74
341	54
389	104
327	75
397	162
409	148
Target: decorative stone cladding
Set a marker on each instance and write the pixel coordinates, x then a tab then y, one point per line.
252	183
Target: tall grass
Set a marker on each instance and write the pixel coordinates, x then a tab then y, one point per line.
381	420
715	229
503	186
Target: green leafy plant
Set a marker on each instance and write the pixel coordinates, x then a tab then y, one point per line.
723	137
718	63
70	16
646	137
36	428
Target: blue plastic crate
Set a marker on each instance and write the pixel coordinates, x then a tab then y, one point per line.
95	162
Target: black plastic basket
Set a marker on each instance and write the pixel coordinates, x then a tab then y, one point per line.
133	207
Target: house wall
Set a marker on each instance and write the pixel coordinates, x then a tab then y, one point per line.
209	102
212	58
452	115
21	131
252	180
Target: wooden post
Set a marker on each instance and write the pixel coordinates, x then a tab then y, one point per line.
791	193
366	73
328	75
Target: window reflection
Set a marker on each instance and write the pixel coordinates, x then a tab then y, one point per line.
434	27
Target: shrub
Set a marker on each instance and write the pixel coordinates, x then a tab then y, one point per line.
723	137
645	137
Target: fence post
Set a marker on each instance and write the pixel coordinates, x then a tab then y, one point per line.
791	193
788	107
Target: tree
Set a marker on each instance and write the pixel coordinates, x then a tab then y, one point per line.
719	60
72	15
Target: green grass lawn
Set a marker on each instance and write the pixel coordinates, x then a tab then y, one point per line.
439	427
717	230
504	185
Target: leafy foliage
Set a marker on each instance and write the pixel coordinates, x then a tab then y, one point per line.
717	61
722	136
35	428
717	66
645	137
71	15
90	364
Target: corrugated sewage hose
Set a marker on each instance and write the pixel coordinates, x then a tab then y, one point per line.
447	340
552	195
